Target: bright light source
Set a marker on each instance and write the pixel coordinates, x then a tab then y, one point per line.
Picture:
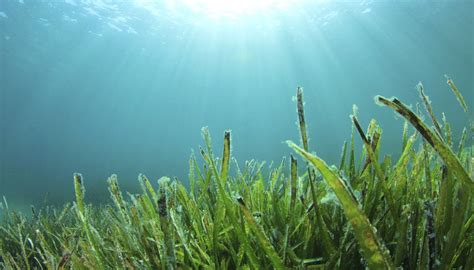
219	9
236	8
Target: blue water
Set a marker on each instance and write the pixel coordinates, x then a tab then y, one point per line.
102	87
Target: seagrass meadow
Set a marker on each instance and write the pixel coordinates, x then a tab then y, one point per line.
368	211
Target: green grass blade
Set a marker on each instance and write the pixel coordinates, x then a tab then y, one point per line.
81	212
373	250
263	241
225	156
79	190
323	229
301	118
378	170
166	227
456	92
352	166
434	140
293	183
428	107
342	164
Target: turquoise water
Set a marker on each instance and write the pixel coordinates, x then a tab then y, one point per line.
124	87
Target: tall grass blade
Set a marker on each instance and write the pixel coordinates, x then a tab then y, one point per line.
456	92
434	140
373	250
263	241
163	212
428	107
81	212
225	156
323	229
378	170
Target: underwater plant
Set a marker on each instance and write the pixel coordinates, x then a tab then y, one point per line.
416	212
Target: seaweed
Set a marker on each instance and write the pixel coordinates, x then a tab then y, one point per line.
373	250
456	92
416	212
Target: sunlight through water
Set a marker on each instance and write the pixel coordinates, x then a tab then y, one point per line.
237	8
228	9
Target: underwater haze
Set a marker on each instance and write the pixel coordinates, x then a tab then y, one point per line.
102	87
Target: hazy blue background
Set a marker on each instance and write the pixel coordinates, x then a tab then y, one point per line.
103	87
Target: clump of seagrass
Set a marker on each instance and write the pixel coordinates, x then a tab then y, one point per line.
415	212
